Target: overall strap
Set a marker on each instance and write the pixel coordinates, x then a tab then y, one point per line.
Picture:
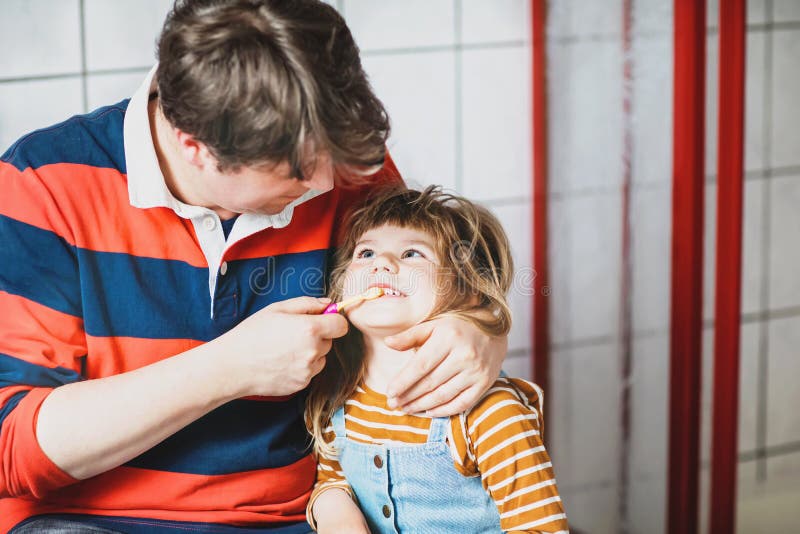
338	422
438	430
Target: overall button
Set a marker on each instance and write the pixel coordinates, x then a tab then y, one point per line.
387	512
378	461
223	268
209	223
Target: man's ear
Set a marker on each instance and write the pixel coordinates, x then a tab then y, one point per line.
194	152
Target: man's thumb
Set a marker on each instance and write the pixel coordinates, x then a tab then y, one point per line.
411	338
300	305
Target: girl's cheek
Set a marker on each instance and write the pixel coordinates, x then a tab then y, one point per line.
356	279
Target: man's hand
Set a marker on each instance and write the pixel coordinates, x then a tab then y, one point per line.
455	365
278	350
336	513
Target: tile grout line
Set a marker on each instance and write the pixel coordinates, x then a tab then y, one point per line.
783	449
444	48
763	341
458	97
746	318
66	75
84	75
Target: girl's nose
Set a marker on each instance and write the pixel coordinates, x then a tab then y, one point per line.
383	263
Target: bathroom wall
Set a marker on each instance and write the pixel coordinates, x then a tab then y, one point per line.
612	483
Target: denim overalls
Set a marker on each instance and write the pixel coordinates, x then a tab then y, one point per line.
414	488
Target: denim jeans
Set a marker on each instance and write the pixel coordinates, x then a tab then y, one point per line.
58	525
49	525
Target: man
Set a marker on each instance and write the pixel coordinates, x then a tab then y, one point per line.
159	263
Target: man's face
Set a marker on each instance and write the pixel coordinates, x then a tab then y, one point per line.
265	190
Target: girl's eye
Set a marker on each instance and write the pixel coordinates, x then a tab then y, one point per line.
412	253
365	253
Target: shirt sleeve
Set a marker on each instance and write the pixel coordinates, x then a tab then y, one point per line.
329	476
41	328
504	442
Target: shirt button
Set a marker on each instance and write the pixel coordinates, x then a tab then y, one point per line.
209	223
387	512
378	461
223	268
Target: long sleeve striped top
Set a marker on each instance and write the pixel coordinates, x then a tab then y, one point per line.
499	439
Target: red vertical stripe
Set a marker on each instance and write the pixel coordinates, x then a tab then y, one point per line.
687	264
541	312
729	265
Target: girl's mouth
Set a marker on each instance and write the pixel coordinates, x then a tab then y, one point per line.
389	291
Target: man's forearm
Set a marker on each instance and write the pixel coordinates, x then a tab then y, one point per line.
90	427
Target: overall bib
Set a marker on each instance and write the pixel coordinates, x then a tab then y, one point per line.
414	488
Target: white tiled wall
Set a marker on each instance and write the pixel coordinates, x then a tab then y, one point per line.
417	89
42	37
496	123
122	34
586	134
496	21
26	105
785	135
401	24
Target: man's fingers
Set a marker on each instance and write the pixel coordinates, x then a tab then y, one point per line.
329	326
439	376
415	336
441	396
461	403
427	358
300	305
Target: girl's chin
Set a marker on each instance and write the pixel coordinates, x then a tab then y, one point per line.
379	325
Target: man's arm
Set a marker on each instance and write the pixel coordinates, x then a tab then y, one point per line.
134	411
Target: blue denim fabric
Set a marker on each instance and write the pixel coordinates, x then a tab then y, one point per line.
417	486
47	525
91	524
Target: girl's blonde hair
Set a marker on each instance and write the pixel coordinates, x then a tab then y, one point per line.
474	255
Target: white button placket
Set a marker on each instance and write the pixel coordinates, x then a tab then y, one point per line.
212	242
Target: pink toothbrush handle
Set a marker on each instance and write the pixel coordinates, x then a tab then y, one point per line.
332	308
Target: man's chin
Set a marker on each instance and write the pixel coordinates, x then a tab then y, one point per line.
268	210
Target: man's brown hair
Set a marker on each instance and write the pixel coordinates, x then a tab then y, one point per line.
267	81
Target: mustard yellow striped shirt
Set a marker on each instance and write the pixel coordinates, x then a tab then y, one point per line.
499	439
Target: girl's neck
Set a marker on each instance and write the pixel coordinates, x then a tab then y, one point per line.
382	364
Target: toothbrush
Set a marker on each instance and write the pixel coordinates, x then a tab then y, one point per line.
370	294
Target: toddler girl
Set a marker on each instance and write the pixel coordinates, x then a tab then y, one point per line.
485	470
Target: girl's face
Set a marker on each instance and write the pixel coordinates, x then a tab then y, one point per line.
403	262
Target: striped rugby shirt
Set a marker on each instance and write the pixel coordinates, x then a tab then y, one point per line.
103	271
499	439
